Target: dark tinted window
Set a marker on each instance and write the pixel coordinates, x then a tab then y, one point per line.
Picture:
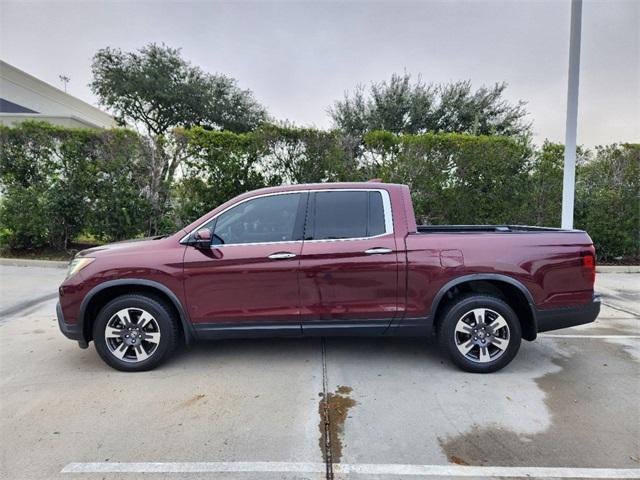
9	107
376	214
347	215
264	219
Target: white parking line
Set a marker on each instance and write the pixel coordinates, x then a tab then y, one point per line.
361	469
551	335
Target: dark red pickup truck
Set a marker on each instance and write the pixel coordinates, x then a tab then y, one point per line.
329	259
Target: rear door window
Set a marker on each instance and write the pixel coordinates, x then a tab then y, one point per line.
376	224
346	214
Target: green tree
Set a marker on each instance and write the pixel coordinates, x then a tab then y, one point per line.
158	89
404	106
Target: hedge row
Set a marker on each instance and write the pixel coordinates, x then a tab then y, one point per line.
60	183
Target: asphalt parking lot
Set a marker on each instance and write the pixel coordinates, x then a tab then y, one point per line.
568	405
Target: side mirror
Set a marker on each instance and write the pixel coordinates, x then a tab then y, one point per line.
202	238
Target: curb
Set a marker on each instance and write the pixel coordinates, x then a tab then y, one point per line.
24	262
618	269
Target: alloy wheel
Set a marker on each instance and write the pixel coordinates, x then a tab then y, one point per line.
132	335
482	335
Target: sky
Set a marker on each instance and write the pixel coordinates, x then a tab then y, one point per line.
298	57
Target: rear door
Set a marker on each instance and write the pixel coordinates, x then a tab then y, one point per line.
349	265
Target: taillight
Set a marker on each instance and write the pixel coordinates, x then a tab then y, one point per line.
589	266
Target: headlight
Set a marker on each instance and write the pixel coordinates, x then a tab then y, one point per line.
78	264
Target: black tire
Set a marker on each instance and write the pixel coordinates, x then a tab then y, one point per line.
165	324
449	339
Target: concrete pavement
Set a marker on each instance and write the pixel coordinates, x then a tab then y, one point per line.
25	287
568	401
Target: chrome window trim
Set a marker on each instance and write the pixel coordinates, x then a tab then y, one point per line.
386	206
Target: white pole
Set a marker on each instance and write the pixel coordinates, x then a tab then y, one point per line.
569	179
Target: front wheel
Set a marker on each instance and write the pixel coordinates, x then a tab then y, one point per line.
480	333
134	332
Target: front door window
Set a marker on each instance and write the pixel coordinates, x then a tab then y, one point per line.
260	220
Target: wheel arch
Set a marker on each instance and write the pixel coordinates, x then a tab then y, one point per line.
511	290
99	295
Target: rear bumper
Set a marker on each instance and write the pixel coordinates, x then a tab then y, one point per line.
72	332
568	317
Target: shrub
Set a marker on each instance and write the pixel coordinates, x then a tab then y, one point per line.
24	220
455	178
608	200
217	167
59	183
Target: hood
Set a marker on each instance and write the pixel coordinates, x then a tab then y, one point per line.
122	246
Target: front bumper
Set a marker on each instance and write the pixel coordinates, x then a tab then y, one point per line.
72	332
568	317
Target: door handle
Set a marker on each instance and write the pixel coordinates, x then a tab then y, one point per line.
281	256
377	251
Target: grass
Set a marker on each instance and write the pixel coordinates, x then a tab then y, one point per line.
623	261
39	254
47	253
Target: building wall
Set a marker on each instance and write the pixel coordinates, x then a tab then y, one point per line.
25	91
12	120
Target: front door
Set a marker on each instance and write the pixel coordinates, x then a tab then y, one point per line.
247	282
349	264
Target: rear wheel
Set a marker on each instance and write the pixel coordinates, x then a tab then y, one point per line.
135	332
480	333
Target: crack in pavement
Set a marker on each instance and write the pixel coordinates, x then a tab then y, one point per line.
325	421
18	307
630	312
334	410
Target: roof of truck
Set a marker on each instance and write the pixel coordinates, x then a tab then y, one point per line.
327	185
